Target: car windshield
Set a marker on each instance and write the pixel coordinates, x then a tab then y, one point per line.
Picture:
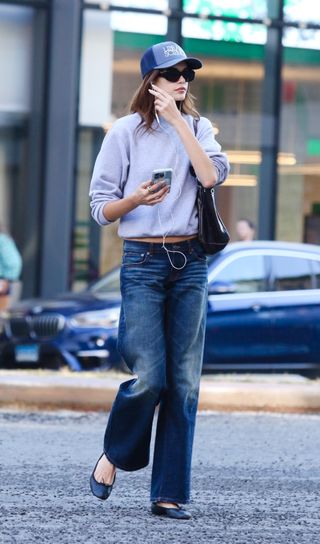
108	284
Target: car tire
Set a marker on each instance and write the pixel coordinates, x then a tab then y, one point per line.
52	362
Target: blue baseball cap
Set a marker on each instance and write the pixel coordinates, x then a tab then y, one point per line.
165	54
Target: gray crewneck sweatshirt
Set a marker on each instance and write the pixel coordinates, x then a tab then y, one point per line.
127	158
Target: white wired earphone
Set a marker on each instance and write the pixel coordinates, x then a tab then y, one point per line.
171	214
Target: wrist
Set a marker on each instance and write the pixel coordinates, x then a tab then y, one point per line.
179	123
133	200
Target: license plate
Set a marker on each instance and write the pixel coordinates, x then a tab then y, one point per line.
28	353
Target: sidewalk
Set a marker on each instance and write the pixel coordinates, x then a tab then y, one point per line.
92	391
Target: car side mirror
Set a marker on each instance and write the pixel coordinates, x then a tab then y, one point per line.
221	288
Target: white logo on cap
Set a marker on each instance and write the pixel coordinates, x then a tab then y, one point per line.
171	50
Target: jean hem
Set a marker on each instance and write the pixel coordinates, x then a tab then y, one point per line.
123	467
170	499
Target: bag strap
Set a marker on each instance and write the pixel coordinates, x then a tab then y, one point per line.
195	130
195	125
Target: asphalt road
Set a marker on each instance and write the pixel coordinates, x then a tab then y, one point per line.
256	480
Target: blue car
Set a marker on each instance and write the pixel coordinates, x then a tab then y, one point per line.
263	316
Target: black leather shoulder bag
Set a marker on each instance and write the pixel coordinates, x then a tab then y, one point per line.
213	234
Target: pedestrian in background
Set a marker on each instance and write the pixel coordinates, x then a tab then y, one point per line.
10	267
163	274
245	230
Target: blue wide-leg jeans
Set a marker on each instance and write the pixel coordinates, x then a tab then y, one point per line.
161	337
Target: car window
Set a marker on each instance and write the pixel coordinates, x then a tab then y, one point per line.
290	273
107	284
316	272
245	274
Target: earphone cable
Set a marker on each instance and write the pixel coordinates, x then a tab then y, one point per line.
165	234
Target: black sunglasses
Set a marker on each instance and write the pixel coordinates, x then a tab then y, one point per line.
173	74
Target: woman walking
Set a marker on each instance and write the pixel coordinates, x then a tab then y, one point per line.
163	274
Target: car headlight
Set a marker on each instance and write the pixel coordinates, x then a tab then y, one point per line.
99	318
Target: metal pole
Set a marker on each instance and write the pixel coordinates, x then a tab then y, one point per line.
271	99
174	33
62	117
28	205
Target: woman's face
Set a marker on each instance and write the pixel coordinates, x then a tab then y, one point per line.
177	89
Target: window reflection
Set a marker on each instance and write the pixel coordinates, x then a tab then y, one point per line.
243	9
301	10
290	273
316	271
245	274
109	284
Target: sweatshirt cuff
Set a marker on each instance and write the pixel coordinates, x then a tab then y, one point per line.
221	170
100	216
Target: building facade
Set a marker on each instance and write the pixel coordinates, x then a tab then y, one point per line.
68	69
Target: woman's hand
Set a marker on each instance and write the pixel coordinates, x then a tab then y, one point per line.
148	194
165	105
145	194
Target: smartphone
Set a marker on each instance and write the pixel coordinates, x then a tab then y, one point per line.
162	174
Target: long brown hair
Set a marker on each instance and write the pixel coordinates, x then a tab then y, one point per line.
143	102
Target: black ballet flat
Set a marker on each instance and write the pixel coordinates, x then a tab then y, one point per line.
100	490
174	513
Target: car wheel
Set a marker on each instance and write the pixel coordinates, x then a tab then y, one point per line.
52	362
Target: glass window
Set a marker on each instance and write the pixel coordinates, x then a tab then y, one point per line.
128	21
242	9
308	38
138	22
84	268
16	42
298	201
224	30
229	92
302	10
291	273
148	4
246	274
316	272
107	285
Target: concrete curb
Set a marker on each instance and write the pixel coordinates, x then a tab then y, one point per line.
272	397
86	391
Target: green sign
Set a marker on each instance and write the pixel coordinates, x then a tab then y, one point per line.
313	147
295	10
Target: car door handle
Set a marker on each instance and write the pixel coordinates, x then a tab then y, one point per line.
256	307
